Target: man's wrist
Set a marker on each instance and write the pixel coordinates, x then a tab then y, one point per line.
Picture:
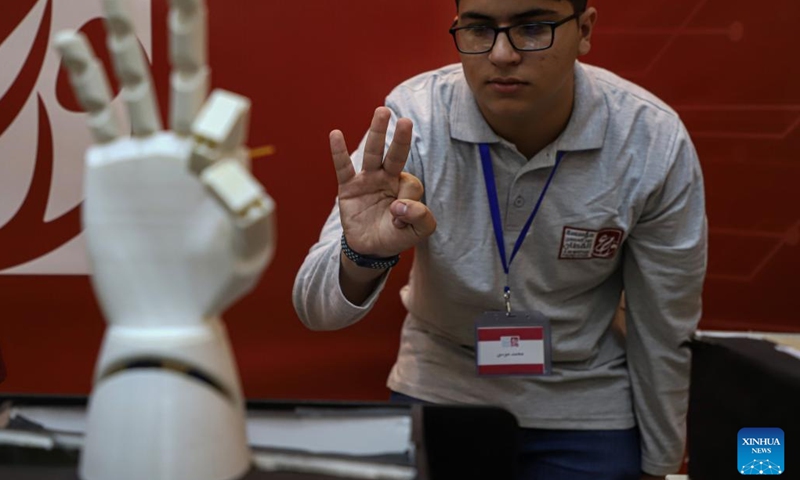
368	261
356	283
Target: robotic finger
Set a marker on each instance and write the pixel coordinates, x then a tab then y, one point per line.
219	134
248	205
132	69
188	51
89	83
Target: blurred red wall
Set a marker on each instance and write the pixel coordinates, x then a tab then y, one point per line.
313	66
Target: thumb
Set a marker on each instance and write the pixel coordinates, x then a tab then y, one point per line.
415	215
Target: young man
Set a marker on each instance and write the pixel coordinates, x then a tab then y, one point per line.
549	186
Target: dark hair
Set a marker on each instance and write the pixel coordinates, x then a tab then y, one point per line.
578	5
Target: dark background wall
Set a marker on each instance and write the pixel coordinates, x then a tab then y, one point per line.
727	67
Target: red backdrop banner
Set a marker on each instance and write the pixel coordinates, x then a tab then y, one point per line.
315	66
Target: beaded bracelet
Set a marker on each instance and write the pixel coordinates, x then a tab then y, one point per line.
366	261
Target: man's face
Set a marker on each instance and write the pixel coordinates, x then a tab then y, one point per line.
507	82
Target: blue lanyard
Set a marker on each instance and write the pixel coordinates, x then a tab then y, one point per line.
494	206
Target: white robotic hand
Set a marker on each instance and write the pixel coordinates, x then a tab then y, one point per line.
177	230
177	227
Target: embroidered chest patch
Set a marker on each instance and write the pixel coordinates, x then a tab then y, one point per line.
582	244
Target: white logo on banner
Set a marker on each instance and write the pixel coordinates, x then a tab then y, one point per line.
42	143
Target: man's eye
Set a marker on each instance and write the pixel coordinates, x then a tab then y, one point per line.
480	32
532	30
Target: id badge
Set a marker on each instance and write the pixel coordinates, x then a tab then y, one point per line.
516	344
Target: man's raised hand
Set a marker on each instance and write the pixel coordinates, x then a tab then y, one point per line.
380	206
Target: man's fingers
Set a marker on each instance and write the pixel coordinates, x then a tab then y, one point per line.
397	155
89	83
409	213
341	158
376	139
410	187
132	69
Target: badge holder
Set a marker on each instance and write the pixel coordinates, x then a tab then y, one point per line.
513	344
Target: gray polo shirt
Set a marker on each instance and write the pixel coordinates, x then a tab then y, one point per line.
625	210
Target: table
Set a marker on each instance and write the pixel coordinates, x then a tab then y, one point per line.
451	441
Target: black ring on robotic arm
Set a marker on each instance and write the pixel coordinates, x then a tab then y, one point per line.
148	363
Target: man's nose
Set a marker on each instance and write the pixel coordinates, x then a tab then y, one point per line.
503	52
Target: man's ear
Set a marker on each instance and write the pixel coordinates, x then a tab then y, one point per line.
586	24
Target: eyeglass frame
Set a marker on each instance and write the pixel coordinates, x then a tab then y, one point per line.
498	30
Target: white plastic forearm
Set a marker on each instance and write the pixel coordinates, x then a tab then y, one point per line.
132	70
89	83
190	76
180	422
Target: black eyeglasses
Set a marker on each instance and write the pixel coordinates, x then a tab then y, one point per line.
526	37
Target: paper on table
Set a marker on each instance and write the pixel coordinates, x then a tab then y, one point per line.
781	338
342	434
59	419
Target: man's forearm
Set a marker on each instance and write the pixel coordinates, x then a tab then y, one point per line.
357	283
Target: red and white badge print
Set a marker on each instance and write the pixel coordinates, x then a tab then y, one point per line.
511	350
43	133
582	244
